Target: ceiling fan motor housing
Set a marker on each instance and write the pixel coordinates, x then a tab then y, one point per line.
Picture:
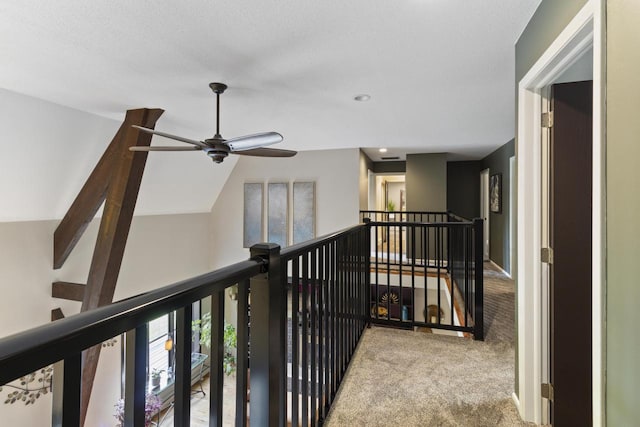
219	150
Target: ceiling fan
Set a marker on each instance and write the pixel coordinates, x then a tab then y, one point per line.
218	148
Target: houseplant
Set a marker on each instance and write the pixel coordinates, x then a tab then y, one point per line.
391	207
155	377
152	405
229	338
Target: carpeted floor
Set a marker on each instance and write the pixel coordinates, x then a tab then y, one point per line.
406	378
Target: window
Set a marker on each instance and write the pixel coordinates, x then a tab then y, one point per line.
161	329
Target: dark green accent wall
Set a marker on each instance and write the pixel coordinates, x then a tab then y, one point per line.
498	162
390	167
426	182
463	188
548	21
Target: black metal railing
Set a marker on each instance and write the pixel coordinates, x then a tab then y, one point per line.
64	340
327	316
426	274
309	307
326	310
403	216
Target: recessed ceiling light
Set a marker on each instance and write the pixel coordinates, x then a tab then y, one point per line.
362	98
383	150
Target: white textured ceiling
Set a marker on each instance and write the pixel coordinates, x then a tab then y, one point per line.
440	72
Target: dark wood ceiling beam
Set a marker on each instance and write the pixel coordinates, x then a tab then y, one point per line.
68	291
86	204
121	197
56	314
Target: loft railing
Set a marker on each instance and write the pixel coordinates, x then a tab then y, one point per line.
426	271
324	306
64	340
328	311
310	306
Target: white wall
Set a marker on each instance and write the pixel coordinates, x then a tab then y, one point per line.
46	153
335	172
160	251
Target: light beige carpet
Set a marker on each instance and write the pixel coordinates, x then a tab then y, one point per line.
405	378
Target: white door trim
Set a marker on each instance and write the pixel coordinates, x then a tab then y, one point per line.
512	213
485	213
584	31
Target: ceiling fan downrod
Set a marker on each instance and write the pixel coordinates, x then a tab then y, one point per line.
218	89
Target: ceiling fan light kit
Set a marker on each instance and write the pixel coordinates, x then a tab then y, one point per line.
218	148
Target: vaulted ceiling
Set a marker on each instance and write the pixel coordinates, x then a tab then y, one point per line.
440	73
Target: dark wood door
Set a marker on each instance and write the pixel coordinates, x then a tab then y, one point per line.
570	237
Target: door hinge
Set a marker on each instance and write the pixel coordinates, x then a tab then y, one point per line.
547	119
547	255
547	391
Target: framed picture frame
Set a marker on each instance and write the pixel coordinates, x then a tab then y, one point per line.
253	230
495	193
277	213
304	211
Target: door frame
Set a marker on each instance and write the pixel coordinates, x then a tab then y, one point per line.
512	213
485	213
584	31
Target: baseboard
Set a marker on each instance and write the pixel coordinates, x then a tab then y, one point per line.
516	401
501	269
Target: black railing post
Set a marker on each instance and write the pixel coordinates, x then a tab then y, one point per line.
366	267
242	348
137	347
66	392
268	347
478	319
182	387
216	374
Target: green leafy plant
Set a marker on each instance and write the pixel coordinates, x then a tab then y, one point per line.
203	326
155	373
391	206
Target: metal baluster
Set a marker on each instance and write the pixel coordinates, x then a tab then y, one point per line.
137	349
465	231
322	327
314	337
182	391
71	387
438	257
242	351
305	340
216	371
478	332
295	318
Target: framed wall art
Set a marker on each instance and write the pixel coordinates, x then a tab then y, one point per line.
304	211
253	213
277	213
495	193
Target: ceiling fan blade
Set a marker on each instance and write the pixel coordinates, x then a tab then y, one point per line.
168	135
161	148
257	140
266	152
